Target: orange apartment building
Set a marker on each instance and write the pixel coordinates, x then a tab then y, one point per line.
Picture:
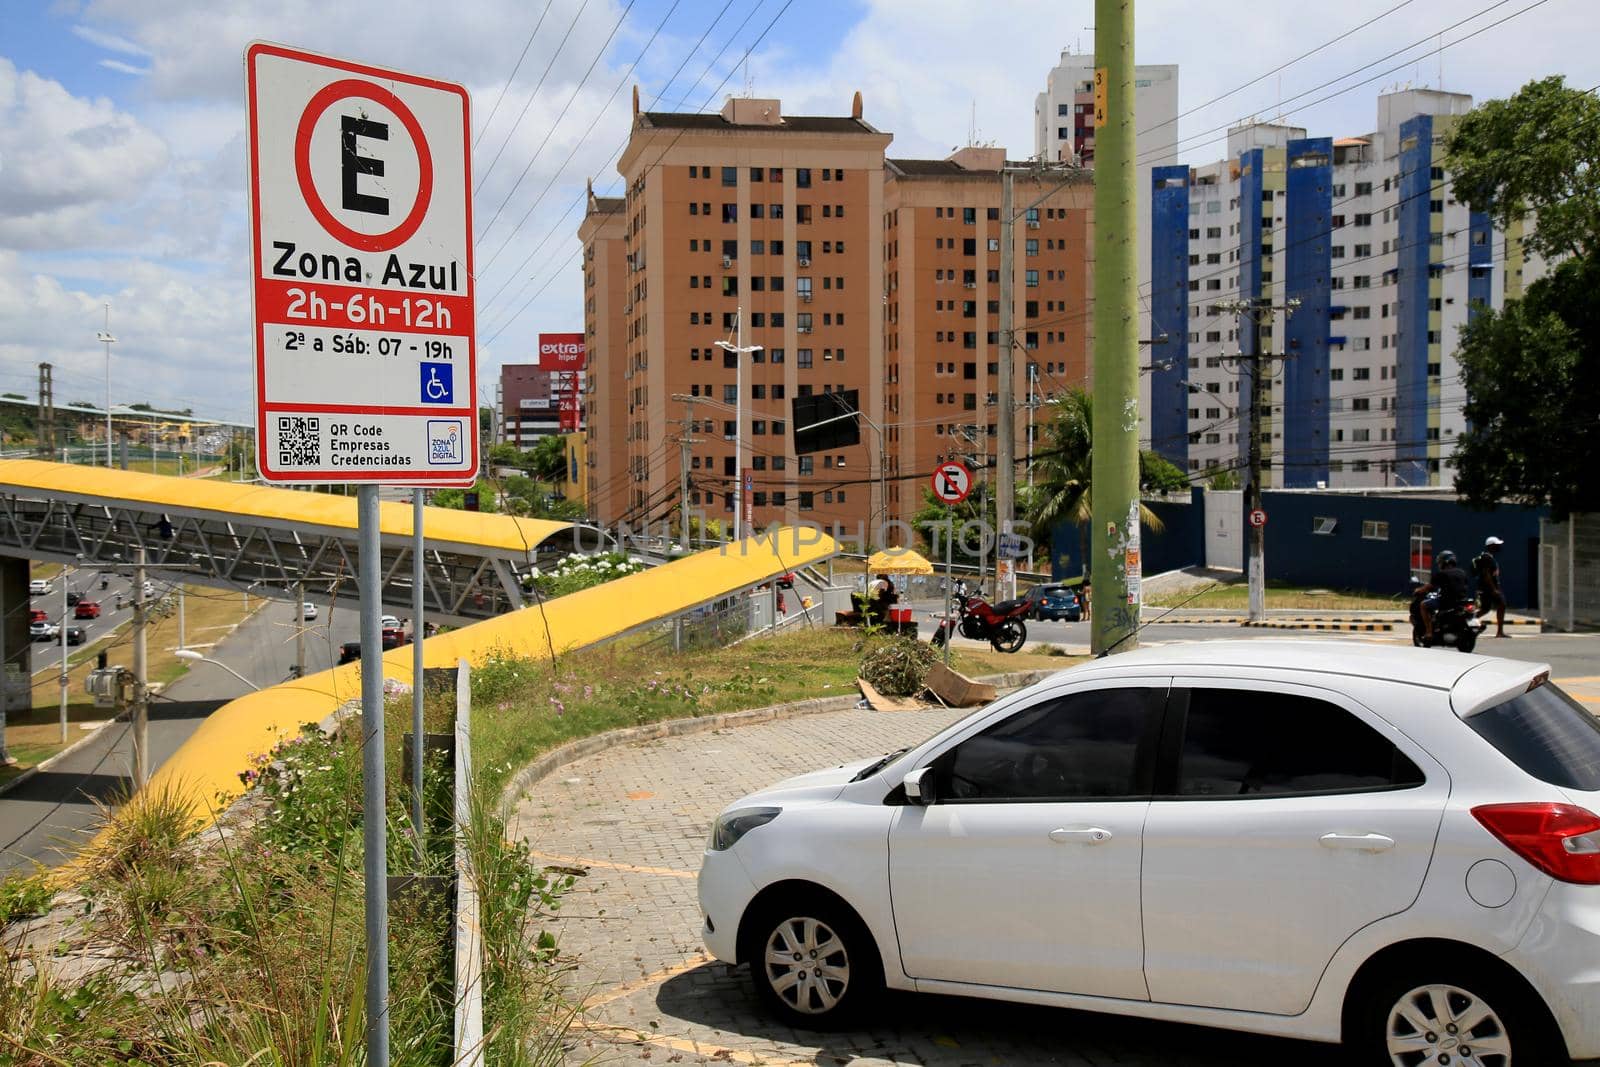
942	231
852	272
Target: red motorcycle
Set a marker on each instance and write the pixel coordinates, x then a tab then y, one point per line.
1001	625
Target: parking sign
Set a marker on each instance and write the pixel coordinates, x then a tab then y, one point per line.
361	229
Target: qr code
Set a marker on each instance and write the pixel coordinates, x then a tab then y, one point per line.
299	441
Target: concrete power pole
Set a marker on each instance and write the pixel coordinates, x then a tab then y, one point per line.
47	413
1253	366
1005	586
141	693
1114	538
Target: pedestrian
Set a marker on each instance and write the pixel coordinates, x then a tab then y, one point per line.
1083	593
783	607
1486	568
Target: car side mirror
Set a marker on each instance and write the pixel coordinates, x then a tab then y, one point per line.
919	786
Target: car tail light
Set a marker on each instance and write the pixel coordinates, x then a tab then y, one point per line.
1562	840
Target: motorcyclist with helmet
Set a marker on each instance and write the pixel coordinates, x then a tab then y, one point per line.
1448	588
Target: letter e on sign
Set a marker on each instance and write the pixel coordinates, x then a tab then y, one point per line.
361	272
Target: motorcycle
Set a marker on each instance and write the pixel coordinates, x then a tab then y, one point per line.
1001	625
1456	627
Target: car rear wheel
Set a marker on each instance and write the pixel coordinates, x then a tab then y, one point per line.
1466	1019
812	962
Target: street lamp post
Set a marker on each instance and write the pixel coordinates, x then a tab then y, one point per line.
739	350
105	338
189	655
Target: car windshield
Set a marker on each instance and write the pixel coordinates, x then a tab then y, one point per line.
1546	733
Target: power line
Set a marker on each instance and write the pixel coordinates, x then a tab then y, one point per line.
513	75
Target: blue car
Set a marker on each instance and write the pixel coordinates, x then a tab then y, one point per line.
1054	602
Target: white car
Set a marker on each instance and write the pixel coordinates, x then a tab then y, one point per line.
44	630
389	622
38	587
1394	848
309	612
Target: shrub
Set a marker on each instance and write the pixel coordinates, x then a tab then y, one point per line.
577	572
896	667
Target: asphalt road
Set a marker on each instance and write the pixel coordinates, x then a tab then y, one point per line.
44	819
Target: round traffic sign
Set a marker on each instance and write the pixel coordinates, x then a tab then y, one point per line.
1258	517
951	482
326	98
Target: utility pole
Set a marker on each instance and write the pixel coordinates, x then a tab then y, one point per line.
1251	365
1005	422
105	338
47	412
686	440
1114	537
141	694
739	350
300	636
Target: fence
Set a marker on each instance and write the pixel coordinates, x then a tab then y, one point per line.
1569	572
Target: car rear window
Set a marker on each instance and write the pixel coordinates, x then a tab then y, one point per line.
1547	734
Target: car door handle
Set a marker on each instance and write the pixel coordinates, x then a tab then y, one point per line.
1359	842
1087	835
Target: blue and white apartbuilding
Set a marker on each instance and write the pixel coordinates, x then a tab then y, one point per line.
1387	267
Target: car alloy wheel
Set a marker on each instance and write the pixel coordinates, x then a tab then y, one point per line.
1445	1024
807	965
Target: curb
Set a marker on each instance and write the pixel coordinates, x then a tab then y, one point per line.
556	758
1341	627
89	735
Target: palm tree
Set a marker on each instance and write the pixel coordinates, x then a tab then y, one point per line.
1061	466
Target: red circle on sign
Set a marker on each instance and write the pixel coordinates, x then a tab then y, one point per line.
952	482
325	98
1258	517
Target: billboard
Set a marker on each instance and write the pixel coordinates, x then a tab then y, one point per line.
561	352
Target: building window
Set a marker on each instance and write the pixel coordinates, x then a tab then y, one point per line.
1421	550
1374	530
1033	278
1324	525
802	177
730	175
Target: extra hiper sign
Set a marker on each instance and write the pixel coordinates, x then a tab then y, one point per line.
361	228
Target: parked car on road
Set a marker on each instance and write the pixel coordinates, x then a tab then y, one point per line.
44	630
1383	846
38	587
309	613
86	609
1053	602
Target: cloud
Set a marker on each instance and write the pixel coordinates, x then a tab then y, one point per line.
109	41
62	158
123	68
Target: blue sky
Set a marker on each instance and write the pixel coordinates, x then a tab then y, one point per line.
122	161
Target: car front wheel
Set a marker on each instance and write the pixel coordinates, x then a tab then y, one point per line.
813	963
1473	1020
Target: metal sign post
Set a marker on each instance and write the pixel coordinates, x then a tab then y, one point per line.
417	576
365	340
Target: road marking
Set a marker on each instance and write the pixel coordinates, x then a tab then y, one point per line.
627	989
577	861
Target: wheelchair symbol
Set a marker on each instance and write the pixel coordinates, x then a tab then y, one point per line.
437	383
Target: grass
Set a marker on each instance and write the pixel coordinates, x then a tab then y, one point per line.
1235	596
257	938
34	736
524	709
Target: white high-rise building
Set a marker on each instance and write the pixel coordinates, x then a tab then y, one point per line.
1063	115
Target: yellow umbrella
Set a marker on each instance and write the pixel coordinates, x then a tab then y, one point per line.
898	561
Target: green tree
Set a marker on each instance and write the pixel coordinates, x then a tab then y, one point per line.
1532	370
1532	378
1062	492
549	459
1534	157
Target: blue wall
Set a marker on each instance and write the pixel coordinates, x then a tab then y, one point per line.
1169	313
1345	560
1181	542
1411	391
1309	261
